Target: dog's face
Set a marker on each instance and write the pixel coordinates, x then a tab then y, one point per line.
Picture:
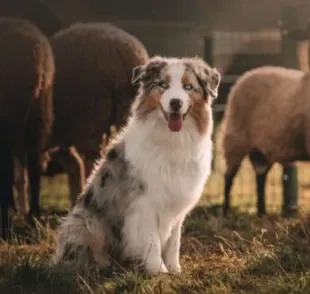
176	89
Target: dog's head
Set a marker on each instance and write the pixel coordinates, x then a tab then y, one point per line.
176	89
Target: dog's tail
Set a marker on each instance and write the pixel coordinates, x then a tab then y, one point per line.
81	241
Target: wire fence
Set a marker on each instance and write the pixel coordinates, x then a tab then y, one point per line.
55	190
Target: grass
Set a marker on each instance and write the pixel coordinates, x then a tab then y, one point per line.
240	254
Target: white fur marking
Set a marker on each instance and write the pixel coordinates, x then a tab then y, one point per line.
176	90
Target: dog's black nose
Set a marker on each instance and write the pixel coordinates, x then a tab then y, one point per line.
176	104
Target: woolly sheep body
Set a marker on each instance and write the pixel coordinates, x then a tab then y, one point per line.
93	91
26	105
267	118
93	82
93	85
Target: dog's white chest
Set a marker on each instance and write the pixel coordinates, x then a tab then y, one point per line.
173	182
179	182
175	192
174	174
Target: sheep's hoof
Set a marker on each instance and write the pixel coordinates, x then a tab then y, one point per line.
261	214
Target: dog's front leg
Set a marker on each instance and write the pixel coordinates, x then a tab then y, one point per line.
143	242
171	250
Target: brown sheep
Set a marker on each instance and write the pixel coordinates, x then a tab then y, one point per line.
266	118
93	87
26	106
93	91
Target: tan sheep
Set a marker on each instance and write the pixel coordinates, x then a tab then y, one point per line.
26	106
267	118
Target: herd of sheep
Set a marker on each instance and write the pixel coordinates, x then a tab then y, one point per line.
59	95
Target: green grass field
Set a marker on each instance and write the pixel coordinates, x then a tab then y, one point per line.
240	254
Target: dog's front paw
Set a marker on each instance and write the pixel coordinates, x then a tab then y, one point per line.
174	267
155	267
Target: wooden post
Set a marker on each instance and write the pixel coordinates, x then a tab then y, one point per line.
291	20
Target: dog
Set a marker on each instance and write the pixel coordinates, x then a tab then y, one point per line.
135	201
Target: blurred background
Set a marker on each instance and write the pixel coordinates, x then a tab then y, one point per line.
232	35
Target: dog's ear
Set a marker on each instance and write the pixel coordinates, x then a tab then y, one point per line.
208	78
137	74
214	82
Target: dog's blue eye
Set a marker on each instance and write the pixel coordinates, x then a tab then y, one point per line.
188	87
164	85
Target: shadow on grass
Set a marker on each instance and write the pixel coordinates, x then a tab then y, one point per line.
27	278
285	267
287	271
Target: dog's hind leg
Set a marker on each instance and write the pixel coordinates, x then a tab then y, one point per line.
81	241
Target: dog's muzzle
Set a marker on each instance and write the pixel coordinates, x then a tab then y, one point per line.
175	118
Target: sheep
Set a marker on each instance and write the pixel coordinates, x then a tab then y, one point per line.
26	106
266	118
94	63
93	91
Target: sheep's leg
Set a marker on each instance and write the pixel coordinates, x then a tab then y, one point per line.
12	203
89	159
6	184
73	165
21	184
229	180
77	176
34	176
260	191
4	216
89	165
261	167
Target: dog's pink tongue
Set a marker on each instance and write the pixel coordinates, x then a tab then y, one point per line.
175	122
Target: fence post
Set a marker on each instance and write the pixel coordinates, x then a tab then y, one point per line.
290	190
290	21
